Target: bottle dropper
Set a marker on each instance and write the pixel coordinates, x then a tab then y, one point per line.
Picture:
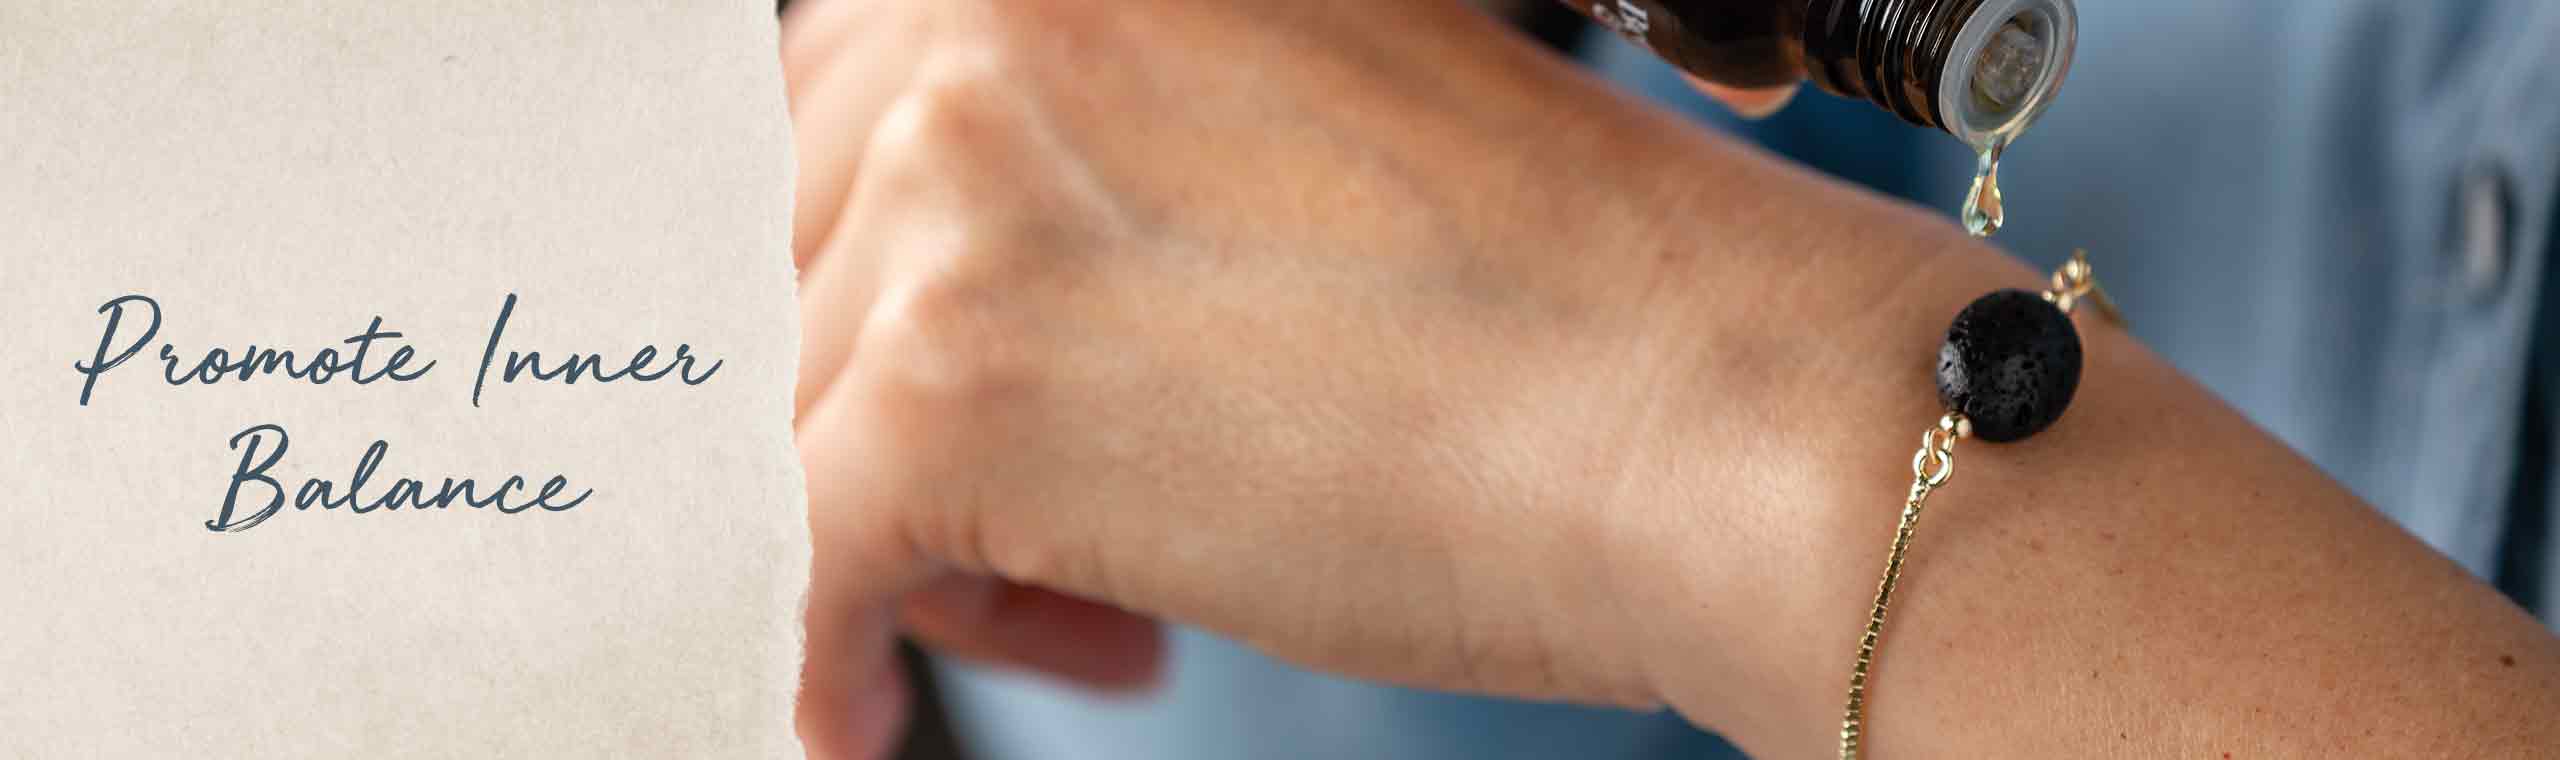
1980	70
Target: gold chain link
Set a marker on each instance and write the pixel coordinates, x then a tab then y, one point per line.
2075	282
1931	467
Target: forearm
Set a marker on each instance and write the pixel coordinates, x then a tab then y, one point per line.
2151	577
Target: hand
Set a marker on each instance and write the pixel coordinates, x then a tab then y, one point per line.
1363	332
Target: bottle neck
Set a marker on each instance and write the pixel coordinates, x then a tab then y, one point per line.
1981	70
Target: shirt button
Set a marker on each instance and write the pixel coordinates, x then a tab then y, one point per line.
2483	230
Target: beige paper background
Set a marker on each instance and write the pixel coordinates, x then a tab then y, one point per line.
278	173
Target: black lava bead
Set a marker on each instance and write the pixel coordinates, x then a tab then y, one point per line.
2010	364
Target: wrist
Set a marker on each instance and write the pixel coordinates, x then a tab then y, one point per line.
1749	546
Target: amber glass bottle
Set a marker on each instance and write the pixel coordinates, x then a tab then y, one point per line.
1981	70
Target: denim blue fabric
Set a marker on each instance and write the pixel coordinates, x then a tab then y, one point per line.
2335	213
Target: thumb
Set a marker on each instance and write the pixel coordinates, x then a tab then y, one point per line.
1749	103
994	622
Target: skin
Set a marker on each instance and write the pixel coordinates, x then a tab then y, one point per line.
1381	340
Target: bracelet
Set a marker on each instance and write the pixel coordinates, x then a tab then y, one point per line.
2008	368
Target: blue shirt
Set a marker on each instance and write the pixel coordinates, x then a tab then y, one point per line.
2337	214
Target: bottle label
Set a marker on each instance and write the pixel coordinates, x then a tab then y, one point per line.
1623	17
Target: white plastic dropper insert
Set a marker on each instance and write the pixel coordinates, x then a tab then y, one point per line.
2004	68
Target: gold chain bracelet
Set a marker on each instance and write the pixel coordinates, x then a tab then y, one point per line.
2038	373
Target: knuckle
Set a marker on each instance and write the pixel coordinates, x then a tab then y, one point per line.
955	348
956	534
978	153
965	143
1033	561
947	113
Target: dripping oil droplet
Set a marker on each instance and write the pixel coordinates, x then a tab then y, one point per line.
1983	214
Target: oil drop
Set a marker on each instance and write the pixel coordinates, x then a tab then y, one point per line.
1983	213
